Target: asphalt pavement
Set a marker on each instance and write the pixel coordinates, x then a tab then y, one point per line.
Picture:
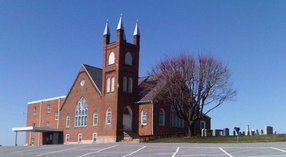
149	150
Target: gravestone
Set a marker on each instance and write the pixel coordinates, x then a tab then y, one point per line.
226	132
268	130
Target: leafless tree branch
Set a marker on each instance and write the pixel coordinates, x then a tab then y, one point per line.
192	83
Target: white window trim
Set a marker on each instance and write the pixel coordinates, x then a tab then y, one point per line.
79	135
94	123
94	135
108	83
56	115
106	117
112	84
67	137
49	108
80	119
68	121
111	58
142	116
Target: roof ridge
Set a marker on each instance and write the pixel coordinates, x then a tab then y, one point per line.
92	66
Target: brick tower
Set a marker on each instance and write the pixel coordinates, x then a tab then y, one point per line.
120	80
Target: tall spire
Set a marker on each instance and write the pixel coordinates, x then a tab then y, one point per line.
120	30
120	23
136	30
106	34
136	35
106	29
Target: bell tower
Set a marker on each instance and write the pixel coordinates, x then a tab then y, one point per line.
120	77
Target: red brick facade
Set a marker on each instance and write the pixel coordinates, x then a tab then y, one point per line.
42	114
103	104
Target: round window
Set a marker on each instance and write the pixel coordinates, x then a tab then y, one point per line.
82	82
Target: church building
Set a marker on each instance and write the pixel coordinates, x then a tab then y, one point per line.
107	104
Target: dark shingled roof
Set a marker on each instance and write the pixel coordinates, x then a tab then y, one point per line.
146	85
96	75
147	88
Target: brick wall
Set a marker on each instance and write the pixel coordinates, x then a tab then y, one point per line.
39	115
95	103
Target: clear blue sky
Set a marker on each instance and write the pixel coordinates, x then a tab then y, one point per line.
43	43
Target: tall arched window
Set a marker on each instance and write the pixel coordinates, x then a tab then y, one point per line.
130	85
128	58
161	117
81	113
108	85
111	58
95	118
175	120
67	121
124	84
112	84
144	117
108	116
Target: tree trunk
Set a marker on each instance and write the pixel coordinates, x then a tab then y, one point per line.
191	128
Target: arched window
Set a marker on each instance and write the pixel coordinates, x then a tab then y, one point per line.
112	84
161	117
81	113
175	120
143	117
130	85
124	84
79	137
95	118
67	121
108	116
128	58
67	138
111	58
108	85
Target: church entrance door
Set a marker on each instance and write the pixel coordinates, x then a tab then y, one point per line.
127	119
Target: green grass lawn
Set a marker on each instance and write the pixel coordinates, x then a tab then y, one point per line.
230	139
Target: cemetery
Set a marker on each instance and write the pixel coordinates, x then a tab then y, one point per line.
268	130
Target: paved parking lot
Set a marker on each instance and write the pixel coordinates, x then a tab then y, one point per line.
148	150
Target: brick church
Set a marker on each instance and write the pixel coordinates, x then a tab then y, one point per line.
107	104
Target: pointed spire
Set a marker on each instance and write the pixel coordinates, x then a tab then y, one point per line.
120	23
136	30
106	29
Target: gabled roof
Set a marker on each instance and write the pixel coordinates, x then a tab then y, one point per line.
95	74
147	88
146	85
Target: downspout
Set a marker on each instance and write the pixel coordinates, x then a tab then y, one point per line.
40	119
152	129
59	102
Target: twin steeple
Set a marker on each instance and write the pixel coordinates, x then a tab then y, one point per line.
120	33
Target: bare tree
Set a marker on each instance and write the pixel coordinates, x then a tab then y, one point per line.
194	86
